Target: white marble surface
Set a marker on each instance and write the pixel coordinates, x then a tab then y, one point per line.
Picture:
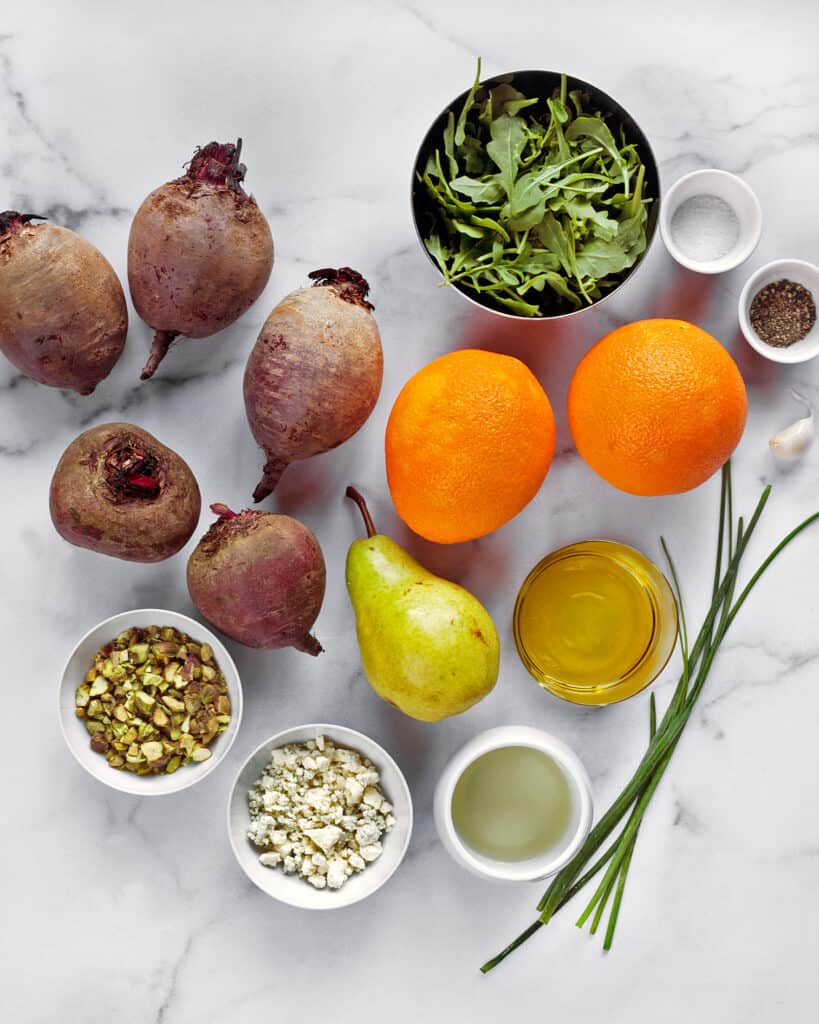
123	910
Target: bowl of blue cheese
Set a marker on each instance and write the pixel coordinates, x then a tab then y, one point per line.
319	816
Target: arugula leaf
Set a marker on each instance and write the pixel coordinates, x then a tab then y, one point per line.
581	210
507	100
489	190
437	251
473	154
596	128
492	225
508	140
469	102
600	258
449	145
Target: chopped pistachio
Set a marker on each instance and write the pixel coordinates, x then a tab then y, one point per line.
152	750
147	680
100	685
139	653
192	703
144	701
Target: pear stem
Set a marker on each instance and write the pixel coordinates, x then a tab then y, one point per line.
358	498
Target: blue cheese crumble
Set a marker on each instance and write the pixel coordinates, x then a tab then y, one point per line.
317	811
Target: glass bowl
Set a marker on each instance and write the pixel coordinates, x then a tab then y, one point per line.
595	622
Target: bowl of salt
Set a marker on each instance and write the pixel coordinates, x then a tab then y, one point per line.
711	221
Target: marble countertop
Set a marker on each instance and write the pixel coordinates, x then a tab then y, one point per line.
126	910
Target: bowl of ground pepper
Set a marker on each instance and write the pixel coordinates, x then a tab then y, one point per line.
777	311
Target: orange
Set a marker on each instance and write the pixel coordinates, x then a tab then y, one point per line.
469	441
657	406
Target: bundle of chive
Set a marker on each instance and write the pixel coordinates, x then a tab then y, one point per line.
663	737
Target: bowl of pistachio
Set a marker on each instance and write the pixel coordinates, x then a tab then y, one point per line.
150	701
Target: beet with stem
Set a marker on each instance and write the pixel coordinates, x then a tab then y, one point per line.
200	251
63	317
259	578
119	491
315	372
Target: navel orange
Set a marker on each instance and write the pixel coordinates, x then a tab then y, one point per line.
469	441
657	406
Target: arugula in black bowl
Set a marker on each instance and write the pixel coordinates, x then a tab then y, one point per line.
536	201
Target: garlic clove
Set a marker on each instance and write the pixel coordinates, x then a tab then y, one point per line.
789	443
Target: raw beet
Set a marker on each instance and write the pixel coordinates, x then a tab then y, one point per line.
200	251
315	372
118	491
259	577
63	318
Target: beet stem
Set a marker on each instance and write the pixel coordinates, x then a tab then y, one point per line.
223	511
309	645
159	349
11	220
236	171
271	475
358	498
347	283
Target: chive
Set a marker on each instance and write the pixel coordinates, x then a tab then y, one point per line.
732	543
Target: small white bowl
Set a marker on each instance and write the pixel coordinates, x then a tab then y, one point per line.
732	190
76	736
536	867
802	273
292	889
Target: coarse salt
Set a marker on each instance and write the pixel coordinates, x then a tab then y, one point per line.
705	228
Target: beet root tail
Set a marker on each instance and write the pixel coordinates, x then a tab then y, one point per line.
309	645
271	474
159	349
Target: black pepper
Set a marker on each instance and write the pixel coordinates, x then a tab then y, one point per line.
782	312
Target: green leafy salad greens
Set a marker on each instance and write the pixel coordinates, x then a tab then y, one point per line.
535	206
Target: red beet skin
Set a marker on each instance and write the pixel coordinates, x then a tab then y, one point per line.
200	251
259	578
63	318
119	491
314	374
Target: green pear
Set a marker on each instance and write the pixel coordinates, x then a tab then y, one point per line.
427	645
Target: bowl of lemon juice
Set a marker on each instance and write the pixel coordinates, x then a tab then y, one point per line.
595	622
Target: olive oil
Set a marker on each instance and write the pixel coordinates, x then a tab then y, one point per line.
595	622
512	803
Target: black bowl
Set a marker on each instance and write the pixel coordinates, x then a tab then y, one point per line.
542	84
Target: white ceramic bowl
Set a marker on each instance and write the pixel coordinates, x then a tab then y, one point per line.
291	888
802	273
536	867
81	659
732	190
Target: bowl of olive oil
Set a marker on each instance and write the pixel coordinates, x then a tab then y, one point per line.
513	804
595	622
